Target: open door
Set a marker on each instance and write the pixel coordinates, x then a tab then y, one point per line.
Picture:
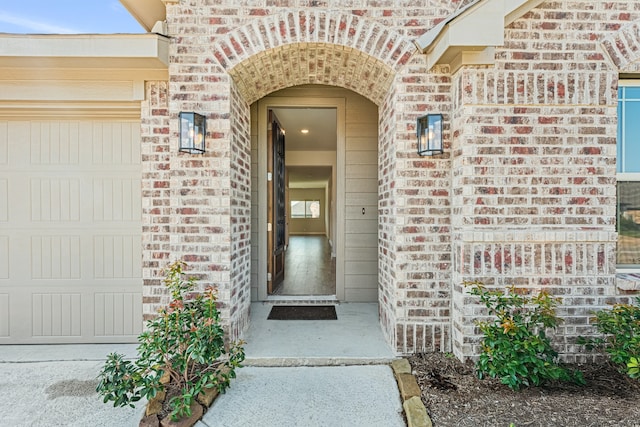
276	204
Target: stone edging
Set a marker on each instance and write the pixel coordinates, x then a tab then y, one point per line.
198	408
410	394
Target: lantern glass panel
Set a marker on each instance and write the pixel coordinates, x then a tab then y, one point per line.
429	129
193	129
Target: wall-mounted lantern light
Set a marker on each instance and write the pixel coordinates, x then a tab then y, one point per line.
193	128
429	129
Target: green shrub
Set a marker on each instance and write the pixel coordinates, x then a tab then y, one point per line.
515	348
620	327
184	342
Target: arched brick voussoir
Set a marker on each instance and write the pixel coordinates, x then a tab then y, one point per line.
623	47
313	26
312	63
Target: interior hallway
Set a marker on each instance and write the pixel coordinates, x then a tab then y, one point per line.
309	268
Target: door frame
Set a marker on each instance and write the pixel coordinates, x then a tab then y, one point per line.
312	102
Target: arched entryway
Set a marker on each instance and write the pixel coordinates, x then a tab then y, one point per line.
211	222
366	65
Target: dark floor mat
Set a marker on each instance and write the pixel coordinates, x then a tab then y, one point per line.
303	312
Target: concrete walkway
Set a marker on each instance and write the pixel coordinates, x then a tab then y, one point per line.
335	396
292	377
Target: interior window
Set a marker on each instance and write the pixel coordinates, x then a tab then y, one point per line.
305	209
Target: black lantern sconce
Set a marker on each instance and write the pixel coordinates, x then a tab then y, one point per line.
193	128
429	129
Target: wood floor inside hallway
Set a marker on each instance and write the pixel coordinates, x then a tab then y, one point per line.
309	267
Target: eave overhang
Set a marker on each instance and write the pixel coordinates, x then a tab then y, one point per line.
146	12
471	34
139	51
81	67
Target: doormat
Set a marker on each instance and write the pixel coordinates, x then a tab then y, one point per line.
303	312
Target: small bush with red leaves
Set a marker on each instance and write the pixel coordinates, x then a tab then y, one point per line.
185	341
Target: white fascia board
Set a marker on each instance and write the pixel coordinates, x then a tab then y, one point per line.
475	28
140	51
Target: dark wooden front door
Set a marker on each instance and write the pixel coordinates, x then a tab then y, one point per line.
276	204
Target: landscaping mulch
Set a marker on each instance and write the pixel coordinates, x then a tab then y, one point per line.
454	396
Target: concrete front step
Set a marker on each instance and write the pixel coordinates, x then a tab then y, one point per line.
316	361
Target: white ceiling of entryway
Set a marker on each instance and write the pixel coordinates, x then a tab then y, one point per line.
320	122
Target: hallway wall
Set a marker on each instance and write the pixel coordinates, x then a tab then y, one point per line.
303	226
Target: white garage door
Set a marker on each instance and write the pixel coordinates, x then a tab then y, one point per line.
70	231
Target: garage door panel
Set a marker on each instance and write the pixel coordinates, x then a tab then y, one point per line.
116	143
4	257
117	256
117	314
55	143
4	200
56	314
117	199
71	312
55	199
4	142
4	315
55	257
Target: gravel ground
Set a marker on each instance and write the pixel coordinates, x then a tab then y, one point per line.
454	396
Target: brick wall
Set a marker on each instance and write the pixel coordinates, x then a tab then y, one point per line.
422	215
156	195
240	279
525	192
387	226
534	146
